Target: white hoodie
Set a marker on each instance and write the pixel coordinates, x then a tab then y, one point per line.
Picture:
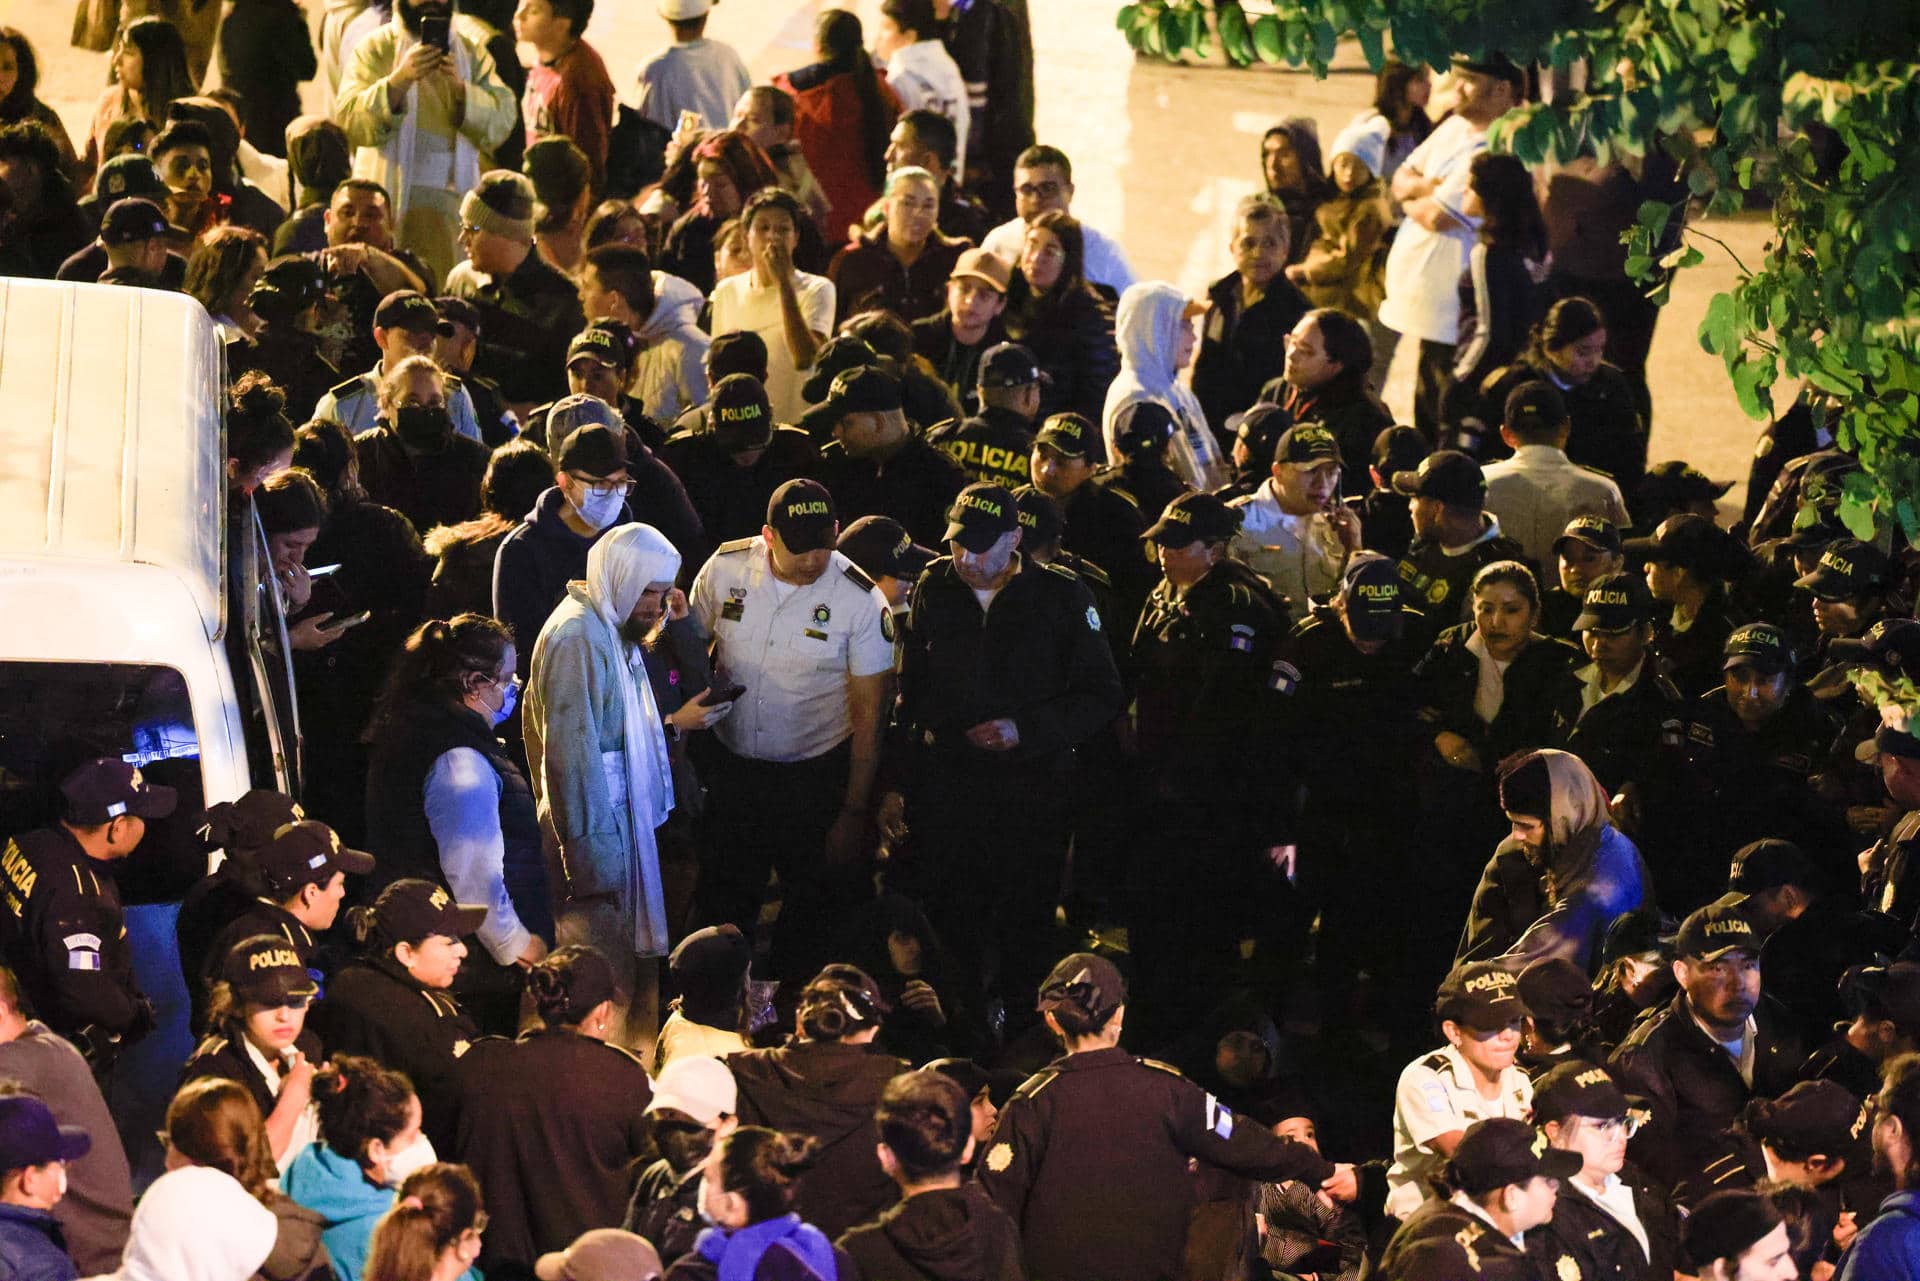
196	1224
672	375
1147	328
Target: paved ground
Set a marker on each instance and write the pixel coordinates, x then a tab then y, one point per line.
1161	155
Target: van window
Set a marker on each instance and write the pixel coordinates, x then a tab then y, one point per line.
54	715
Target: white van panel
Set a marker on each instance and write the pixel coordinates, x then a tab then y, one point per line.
113	432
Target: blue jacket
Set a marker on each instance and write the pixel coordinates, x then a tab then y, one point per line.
1511	916
32	1247
1888	1249
337	1190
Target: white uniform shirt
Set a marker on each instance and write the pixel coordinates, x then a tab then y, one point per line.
1538	490
792	647
1423	267
1436	1095
1301	556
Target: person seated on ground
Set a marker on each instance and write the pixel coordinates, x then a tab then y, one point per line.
709	969
692	1108
1302	1232
751	1185
1503	1182
1738	1236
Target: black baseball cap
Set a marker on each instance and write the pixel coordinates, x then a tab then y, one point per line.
246	824
410	910
882	548
801	512
455	311
132	219
1448	475
1010	365
741	351
1086	982
1715	930
1306	445
1767	864
1193	517
1500	1151
1142	426
1674	484
1892	645
835	358
307	853
599	343
1848	568
740	413
407	309
982	514
29	1134
1894	989
1556	991
1579	1088
1039	515
865	390
1759	645
267	969
1535	406
1615	603
1495	64
594	450
1596	532
1689	540
1398	448
1261	428
1813	1117
1481	995
105	789
1069	435
1370	591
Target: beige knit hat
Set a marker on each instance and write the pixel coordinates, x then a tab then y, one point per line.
502	203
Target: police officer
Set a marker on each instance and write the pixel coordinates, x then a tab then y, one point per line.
1587	550
238	827
1294	530
1687	561
1608	1221
1091	1156
884	551
1883	1004
877	465
1386	514
1454	537
600	363
1103	524
406	323
1202	672
810	638
1623	712
993	444
1042	526
732	465
1142	431
301	879
63	931
265	973
455	345
1500	1183
1005	671
1851	589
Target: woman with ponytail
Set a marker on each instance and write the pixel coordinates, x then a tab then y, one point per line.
434	1231
843	112
587	1101
748	1189
447	804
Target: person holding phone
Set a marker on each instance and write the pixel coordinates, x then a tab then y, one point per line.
1295	532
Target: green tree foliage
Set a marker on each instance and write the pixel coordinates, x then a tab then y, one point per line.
1810	106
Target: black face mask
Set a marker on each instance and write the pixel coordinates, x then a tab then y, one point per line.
425	429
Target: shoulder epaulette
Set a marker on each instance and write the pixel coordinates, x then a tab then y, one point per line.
1061	570
1093	574
1126	495
341	390
1435	1061
1035	1083
1310	623
1158	1066
859	577
736	545
942	427
213	1044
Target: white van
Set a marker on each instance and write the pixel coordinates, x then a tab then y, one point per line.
115	635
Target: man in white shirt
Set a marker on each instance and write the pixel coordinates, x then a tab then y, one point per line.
693	73
1042	182
1430	250
807	639
1538	490
1294	530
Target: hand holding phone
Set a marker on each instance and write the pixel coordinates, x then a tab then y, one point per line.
436	30
724	694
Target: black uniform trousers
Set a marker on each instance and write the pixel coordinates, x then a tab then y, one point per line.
774	816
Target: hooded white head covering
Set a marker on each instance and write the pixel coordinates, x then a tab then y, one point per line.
197	1224
1365	140
1147	327
620	567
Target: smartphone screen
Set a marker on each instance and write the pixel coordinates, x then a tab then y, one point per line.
434	30
726	695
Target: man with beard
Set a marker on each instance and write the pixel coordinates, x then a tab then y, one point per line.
421	116
1890	1245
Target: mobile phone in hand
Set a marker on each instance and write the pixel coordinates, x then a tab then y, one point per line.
724	695
436	30
351	620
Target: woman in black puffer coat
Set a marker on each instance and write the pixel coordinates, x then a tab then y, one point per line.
1055	314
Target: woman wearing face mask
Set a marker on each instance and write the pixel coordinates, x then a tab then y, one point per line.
746	1193
447	804
1608	1218
412	460
371	1118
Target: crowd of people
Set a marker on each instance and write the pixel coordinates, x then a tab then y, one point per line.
763	582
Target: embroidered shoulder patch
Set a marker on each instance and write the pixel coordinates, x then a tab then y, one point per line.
999	1157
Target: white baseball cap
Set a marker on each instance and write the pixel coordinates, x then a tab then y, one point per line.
684	10
698	1085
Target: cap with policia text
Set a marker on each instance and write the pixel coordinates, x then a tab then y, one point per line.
1011	365
1813	1116
1596	532
1039	516
1480	995
246	824
105	789
801	512
1306	445
455	311
602	343
841	353
1616	603
1768	864
1760	645
1370	593
1848	569
410	910
1690	541
1069	435
1556	991
1195	517
1089	983
866	390
1500	1151
407	309
740	414
266	969
1142	426
1448	475
1713	931
1579	1088
882	548
1892	645
307	853
981	516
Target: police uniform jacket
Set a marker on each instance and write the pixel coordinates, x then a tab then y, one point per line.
1349	722
1601	1247
1892	880
1608	432
996	445
259	917
223	1053
429	490
1038	656
1621	737
828	1091
914	486
66	941
1204	676
1536	683
550	1124
1105	525
731	500
1091	1158
1838	1060
374	1007
1694	658
1146	480
1100	585
1694	1086
1441	1241
1802	960
354	404
1437	584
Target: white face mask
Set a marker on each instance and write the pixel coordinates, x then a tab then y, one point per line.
415	1156
60	1173
600	510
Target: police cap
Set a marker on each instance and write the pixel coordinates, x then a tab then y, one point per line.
107	788
1195	517
1370	595
1848	569
801	512
1480	995
1615	603
1500	1151
1715	930
1088	983
740	414
982	514
266	970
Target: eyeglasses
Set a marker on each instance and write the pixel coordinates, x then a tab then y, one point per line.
1039	190
468	229
601	488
